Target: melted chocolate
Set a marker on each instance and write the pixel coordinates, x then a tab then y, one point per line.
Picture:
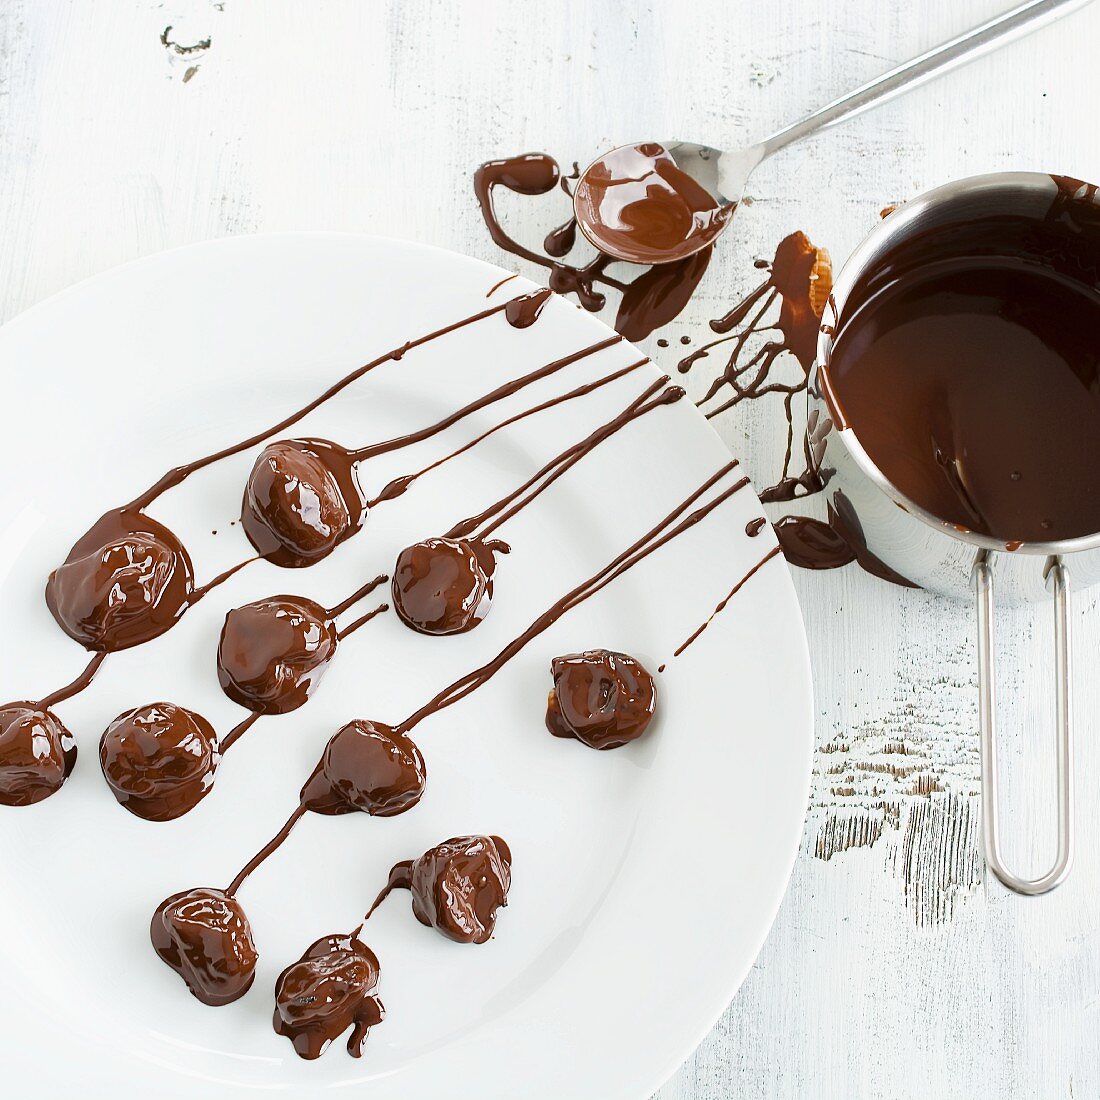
457	887
331	988
969	369
649	301
273	653
637	205
774	552
445	585
124	582
302	500
524	311
204	936
603	699
755	526
159	760
37	754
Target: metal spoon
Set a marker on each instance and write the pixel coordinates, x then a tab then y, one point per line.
723	175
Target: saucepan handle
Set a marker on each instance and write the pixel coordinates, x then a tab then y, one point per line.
1057	579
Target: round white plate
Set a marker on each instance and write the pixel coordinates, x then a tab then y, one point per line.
645	879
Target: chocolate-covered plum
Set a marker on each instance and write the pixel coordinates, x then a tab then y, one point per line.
204	936
37	754
159	760
601	698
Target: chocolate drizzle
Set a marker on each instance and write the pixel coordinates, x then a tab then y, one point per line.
331	988
457	886
649	301
603	699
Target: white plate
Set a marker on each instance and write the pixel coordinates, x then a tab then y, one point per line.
645	879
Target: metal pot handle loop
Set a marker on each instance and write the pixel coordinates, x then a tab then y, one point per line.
1057	578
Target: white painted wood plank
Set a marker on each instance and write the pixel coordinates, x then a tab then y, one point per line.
894	969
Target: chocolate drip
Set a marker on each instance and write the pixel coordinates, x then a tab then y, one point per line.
239	730
331	988
351	628
496	286
523	312
457	886
204	936
159	760
268	850
77	686
398	486
755	526
649	301
37	754
774	552
601	698
637	204
123	583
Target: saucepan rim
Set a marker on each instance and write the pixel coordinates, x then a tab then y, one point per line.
893	227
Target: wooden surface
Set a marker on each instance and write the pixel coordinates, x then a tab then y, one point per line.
896	968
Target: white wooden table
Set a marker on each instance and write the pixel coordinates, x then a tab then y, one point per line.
896	967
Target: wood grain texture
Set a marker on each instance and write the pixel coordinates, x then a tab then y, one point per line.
896	968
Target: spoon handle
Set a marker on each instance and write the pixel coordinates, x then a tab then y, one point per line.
949	55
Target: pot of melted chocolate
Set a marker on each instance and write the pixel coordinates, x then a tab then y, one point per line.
603	699
159	760
329	989
457	886
958	375
37	754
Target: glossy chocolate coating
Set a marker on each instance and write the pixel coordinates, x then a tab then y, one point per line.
159	760
37	754
329	989
457	886
369	767
204	936
636	204
445	585
302	500
125	582
603	699
272	653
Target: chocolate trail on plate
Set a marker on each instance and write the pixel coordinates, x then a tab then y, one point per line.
775	551
76	686
396	487
649	300
444	586
457	887
637	204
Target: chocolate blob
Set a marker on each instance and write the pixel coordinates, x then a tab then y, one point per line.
601	698
329	989
204	936
369	767
457	887
445	585
273	653
637	205
302	500
159	760
125	582
37	754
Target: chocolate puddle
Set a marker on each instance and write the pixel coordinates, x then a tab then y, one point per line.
649	301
